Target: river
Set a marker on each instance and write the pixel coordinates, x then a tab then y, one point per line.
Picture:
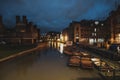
47	64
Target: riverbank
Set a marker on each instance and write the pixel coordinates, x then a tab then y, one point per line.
39	64
18	51
7	50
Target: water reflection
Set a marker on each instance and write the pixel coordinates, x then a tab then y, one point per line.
17	67
47	64
58	45
61	47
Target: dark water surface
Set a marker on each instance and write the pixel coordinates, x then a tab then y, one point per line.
48	64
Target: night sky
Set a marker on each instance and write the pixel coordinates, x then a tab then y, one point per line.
55	14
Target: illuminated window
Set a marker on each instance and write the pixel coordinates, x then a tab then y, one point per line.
22	30
100	40
66	38
118	38
96	22
77	37
95	34
119	35
92	34
102	24
95	29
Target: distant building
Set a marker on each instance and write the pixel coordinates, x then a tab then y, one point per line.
86	31
72	32
53	36
94	31
114	22
22	33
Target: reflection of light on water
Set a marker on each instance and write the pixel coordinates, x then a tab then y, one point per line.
61	47
51	44
57	45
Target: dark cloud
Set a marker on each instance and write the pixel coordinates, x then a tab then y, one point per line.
55	14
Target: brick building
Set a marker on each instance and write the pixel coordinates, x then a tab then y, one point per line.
72	32
87	31
95	31
24	32
114	23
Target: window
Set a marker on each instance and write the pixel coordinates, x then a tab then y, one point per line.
77	29
95	29
22	30
96	22
118	19
102	24
118	38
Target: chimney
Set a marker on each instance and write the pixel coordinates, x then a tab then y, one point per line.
17	19
24	20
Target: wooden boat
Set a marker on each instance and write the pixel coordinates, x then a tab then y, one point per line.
102	66
84	54
74	61
76	54
67	52
95	59
86	63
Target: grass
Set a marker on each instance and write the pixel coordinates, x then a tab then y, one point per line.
7	50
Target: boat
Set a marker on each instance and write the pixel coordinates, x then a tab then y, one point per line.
86	63
74	61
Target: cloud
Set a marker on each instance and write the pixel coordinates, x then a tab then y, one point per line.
55	14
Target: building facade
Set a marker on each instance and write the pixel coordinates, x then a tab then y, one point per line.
87	31
72	32
53	36
24	32
114	22
95	31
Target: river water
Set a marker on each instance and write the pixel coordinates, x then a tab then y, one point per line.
47	64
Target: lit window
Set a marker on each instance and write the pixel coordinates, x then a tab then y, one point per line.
95	34
77	37
96	22
119	35
95	29
22	30
92	34
102	24
118	38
